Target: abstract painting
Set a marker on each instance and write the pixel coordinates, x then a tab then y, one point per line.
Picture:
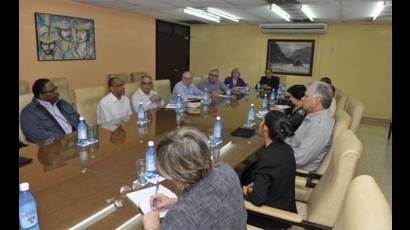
294	57
64	38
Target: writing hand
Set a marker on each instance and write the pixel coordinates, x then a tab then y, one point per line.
162	201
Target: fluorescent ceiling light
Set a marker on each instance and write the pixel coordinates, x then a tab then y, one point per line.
223	14
307	12
379	7
202	14
275	8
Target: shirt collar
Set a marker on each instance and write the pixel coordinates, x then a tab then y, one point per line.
46	103
115	99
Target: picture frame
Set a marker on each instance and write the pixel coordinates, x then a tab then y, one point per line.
61	38
289	56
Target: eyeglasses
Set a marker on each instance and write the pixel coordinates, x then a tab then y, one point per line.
115	86
53	90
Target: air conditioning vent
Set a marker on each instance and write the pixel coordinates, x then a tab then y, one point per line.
293	27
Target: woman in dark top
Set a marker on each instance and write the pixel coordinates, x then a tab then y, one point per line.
269	81
298	114
271	179
235	80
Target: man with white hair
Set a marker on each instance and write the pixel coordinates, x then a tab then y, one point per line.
313	138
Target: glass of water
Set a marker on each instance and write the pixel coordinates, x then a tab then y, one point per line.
140	163
92	133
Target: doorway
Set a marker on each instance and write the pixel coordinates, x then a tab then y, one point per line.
172	51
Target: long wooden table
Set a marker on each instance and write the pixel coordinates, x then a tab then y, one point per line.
70	184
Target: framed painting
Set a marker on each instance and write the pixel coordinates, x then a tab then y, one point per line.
293	57
64	38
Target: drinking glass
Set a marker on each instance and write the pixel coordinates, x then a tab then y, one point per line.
92	133
211	136
140	163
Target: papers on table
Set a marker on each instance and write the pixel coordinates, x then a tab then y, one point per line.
141	198
261	114
171	106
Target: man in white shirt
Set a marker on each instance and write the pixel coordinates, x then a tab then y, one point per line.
149	98
115	107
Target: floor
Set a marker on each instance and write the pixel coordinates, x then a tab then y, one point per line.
376	159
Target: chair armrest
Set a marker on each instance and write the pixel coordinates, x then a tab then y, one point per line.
284	216
274	212
307	174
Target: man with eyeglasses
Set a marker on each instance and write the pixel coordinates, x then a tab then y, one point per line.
114	109
215	87
149	98
186	88
47	117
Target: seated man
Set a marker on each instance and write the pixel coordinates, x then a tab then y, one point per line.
313	138
234	81
186	88
115	107
215	87
269	82
47	117
149	98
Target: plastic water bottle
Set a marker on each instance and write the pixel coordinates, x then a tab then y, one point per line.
149	159
179	119
247	89
83	152
251	117
272	97
27	208
205	110
218	130
82	132
228	91
205	97
259	87
265	103
141	132
141	113
179	108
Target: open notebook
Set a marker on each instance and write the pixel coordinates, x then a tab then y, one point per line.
141	198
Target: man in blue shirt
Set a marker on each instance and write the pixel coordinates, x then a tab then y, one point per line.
46	116
186	88
214	86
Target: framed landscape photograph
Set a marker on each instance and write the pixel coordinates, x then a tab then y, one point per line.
294	57
64	38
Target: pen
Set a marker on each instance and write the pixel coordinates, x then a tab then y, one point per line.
156	193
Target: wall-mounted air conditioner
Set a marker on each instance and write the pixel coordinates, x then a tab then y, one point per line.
293	27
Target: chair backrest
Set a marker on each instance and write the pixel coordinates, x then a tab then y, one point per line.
163	87
342	121
86	101
23	87
136	76
122	76
63	88
333	107
327	197
24	100
130	88
355	109
341	100
197	80
365	207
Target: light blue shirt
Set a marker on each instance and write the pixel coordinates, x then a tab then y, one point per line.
55	112
312	139
212	86
185	91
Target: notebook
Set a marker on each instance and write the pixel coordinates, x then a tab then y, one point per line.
243	132
141	198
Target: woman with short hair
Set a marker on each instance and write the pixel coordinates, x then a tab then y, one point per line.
211	194
270	180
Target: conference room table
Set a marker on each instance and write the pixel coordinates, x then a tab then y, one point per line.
71	183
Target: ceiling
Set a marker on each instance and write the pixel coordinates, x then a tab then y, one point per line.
253	12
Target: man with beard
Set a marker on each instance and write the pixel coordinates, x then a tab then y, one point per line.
65	44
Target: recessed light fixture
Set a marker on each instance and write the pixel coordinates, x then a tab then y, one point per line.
379	7
223	14
275	8
307	12
202	14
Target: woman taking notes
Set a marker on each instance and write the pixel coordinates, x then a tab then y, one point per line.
270	180
212	196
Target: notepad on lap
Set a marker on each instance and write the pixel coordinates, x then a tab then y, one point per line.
141	198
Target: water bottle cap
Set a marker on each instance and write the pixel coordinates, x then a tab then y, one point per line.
81	118
252	105
150	143
179	95
218	118
141	103
24	187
